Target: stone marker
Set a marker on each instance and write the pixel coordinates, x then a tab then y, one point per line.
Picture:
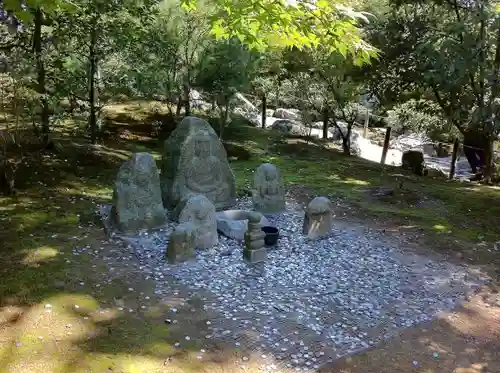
200	212
318	219
254	250
137	202
234	223
195	162
182	243
414	161
268	193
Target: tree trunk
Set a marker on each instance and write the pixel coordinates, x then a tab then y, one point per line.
489	166
179	107
326	115
346	141
224	118
41	74
187	105
264	109
93	94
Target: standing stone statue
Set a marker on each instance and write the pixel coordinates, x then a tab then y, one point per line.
318	218
268	193
195	162
182	243
137	202
200	212
254	250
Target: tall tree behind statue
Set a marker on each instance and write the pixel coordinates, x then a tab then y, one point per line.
447	51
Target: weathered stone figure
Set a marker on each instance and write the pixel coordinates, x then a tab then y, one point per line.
318	219
254	250
200	212
182	243
137	202
268	193
195	162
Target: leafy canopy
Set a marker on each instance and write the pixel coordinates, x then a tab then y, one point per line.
290	23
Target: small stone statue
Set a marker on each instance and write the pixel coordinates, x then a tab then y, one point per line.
201	213
318	219
182	243
268	193
254	250
137	200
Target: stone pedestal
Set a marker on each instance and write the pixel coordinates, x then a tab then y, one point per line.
255	256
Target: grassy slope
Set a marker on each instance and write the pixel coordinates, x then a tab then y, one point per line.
56	203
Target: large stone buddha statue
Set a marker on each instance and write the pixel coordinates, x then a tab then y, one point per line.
195	162
204	172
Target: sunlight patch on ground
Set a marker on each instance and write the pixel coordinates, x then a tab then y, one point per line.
39	254
355	182
441	228
43	337
77	190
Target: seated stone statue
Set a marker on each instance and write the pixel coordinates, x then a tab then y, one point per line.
268	192
195	162
204	173
200	212
137	200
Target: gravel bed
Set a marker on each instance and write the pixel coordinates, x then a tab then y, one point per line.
311	302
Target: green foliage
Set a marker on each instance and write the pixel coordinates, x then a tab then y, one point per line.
225	69
421	116
310	24
444	52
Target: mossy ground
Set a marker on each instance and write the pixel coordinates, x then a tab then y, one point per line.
53	212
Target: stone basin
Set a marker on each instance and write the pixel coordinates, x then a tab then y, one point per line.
234	223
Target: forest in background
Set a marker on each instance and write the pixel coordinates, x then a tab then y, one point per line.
430	66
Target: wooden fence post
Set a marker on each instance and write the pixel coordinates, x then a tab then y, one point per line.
454	156
386	144
264	109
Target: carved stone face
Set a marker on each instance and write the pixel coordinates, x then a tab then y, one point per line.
202	147
201	214
270	175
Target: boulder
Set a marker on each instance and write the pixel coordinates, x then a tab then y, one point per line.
234	223
414	161
242	102
268	193
253	118
290	128
291	114
336	135
269	112
137	202
200	212
195	162
318	218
